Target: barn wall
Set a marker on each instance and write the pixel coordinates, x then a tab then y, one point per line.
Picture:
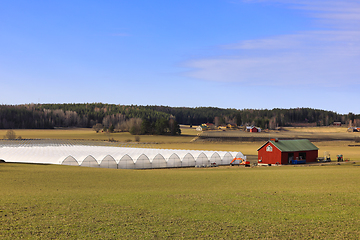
284	158
311	156
269	157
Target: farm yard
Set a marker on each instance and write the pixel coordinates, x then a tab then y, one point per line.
297	202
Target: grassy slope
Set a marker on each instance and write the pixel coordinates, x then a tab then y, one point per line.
45	201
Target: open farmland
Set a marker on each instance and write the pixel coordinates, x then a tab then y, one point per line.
335	140
47	201
311	133
293	202
89	134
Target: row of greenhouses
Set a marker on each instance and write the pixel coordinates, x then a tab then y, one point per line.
115	157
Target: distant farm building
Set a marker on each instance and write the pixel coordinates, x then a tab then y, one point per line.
206	126
201	128
337	124
287	152
253	129
231	125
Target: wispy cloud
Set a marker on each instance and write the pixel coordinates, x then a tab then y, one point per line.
276	42
328	56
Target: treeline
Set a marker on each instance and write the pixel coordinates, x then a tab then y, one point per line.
263	118
87	115
138	126
71	115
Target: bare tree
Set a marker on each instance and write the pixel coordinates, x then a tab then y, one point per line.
127	125
97	127
10	134
272	123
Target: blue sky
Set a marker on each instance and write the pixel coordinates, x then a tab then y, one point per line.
220	53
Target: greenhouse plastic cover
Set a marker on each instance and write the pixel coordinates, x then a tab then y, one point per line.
112	157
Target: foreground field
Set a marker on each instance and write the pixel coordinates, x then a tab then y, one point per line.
45	201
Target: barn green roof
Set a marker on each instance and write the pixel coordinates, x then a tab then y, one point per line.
293	145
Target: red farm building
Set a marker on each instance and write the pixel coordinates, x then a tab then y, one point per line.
287	152
253	129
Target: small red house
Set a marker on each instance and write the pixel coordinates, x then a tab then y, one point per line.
287	151
253	129
338	124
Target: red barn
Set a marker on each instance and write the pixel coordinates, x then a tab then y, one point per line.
253	129
337	124
287	151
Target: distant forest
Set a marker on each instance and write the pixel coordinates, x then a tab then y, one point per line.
45	116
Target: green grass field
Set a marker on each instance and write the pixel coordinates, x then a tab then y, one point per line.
58	202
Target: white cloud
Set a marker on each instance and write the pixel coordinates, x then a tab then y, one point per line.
328	57
278	42
341	14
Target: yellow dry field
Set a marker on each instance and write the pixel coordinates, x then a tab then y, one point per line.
349	150
89	134
313	134
317	129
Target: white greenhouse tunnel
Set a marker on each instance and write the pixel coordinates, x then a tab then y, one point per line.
114	157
